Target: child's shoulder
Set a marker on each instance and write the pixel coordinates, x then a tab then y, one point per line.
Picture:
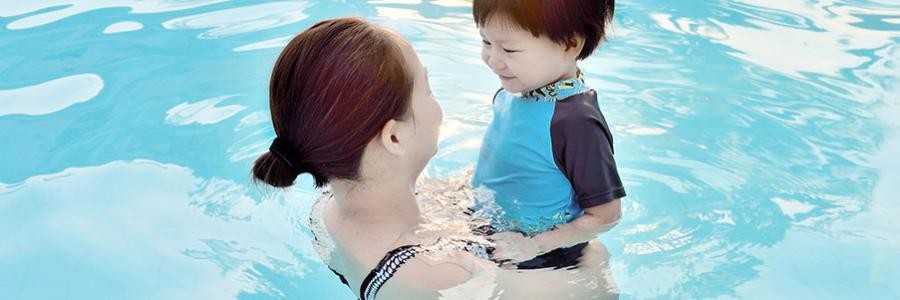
578	109
578	119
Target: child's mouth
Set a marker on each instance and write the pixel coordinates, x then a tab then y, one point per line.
506	78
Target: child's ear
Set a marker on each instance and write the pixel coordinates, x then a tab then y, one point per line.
574	46
389	137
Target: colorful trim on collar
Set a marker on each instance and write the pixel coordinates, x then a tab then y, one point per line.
557	91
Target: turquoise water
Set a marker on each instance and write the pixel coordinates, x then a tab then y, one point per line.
759	142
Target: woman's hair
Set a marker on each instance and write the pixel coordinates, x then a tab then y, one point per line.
559	20
333	88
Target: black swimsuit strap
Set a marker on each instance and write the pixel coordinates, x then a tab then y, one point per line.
385	270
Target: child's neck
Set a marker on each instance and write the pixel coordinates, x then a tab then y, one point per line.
571	72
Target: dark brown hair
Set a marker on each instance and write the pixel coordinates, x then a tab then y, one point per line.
559	20
333	88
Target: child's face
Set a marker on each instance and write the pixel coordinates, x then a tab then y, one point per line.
524	62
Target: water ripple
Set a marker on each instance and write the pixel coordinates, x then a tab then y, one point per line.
161	227
232	21
51	96
123	27
50	11
202	112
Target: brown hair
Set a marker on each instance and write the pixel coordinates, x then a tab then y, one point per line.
333	88
559	20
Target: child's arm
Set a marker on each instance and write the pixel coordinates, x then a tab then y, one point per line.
515	247
596	220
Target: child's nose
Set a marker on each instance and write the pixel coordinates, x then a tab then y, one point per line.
496	62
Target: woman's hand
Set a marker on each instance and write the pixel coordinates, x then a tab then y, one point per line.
513	247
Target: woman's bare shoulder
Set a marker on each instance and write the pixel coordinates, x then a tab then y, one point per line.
425	278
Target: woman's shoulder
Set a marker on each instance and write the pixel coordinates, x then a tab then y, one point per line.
423	275
414	258
335	244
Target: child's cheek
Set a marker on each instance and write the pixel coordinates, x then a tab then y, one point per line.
527	73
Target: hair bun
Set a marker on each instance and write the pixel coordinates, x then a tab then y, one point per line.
281	166
286	153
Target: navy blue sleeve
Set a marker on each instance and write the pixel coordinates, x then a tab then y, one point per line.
583	150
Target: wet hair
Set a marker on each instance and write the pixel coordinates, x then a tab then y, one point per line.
333	88
560	20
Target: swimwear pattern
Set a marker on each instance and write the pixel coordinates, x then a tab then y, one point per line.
558	90
385	270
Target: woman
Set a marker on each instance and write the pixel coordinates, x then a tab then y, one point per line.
351	105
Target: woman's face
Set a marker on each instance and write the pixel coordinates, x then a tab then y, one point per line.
425	112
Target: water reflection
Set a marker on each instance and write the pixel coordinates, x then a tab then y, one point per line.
228	22
51	96
43	12
120	27
202	112
774	138
446	227
162	232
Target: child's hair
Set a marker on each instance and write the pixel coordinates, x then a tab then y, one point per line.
559	20
333	88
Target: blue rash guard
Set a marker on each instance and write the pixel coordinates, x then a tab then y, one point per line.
547	154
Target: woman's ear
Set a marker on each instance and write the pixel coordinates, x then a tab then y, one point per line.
389	137
574	46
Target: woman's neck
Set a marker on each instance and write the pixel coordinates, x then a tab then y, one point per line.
386	200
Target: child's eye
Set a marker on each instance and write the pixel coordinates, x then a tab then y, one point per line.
510	51
486	42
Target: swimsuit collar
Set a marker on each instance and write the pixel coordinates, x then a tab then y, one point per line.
557	91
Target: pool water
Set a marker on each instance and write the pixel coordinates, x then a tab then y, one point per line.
759	141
